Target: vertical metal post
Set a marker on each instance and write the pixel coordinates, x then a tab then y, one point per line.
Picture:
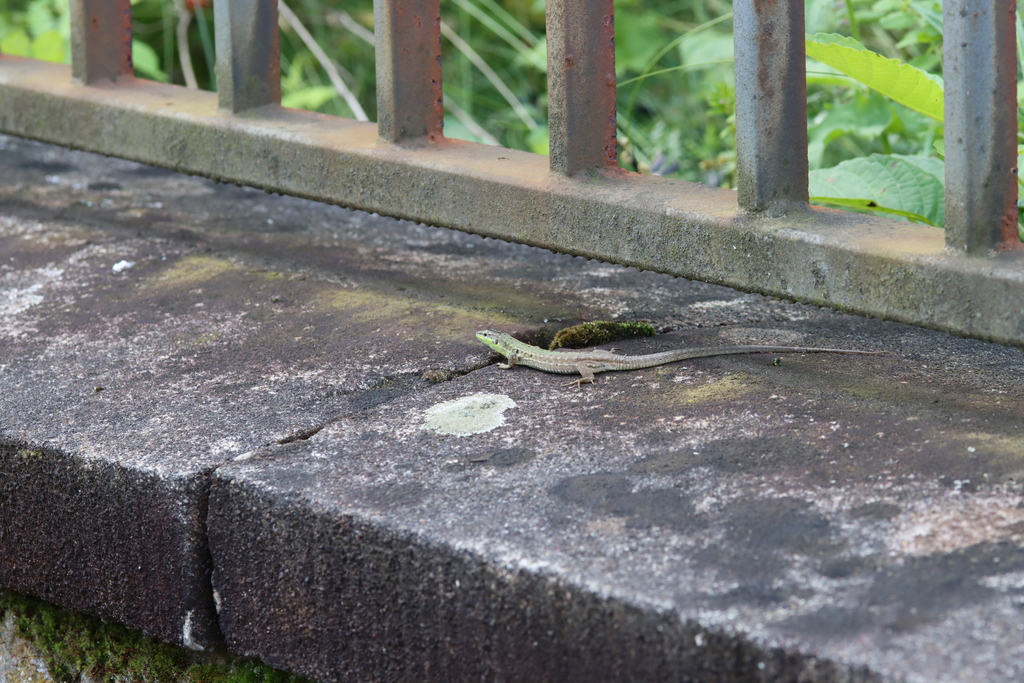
581	85
248	54
980	71
410	103
101	40
771	104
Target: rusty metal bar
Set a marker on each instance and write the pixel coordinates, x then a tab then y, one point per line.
771	105
101	40
248	54
410	103
581	85
980	71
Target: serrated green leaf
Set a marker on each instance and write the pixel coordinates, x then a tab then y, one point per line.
932	165
836	39
901	82
890	183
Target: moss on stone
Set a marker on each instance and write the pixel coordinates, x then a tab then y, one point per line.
192	270
76	646
728	388
599	332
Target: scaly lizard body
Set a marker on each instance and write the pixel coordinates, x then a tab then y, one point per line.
589	363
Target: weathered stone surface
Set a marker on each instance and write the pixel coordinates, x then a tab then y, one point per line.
830	518
153	327
725	519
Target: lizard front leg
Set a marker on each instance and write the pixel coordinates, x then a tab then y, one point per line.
513	358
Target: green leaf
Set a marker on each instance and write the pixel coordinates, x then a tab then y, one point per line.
867	116
832	80
918	37
869	206
311	98
538	140
901	82
536	56
930	11
146	62
908	186
637	38
49	46
43	15
886	6
17	44
932	165
898	21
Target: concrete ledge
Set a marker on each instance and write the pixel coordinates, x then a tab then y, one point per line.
124	386
397	606
120	543
807	521
225	414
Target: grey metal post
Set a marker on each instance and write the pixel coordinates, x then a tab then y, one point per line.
101	40
771	104
410	103
581	84
248	54
980	71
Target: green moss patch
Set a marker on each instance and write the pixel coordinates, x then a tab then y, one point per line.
599	332
75	646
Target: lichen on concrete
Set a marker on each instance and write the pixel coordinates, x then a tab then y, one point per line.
474	414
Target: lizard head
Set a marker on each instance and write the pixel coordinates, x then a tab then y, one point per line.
493	340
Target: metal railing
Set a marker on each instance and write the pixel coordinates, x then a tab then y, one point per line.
968	279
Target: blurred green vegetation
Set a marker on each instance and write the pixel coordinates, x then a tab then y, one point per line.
674	68
76	647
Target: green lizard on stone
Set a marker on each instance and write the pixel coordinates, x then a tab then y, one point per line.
589	363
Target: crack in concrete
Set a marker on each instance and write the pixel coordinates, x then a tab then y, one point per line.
302	434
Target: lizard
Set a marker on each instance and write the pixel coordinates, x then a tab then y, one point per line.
589	363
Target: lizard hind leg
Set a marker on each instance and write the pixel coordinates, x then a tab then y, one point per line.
586	371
